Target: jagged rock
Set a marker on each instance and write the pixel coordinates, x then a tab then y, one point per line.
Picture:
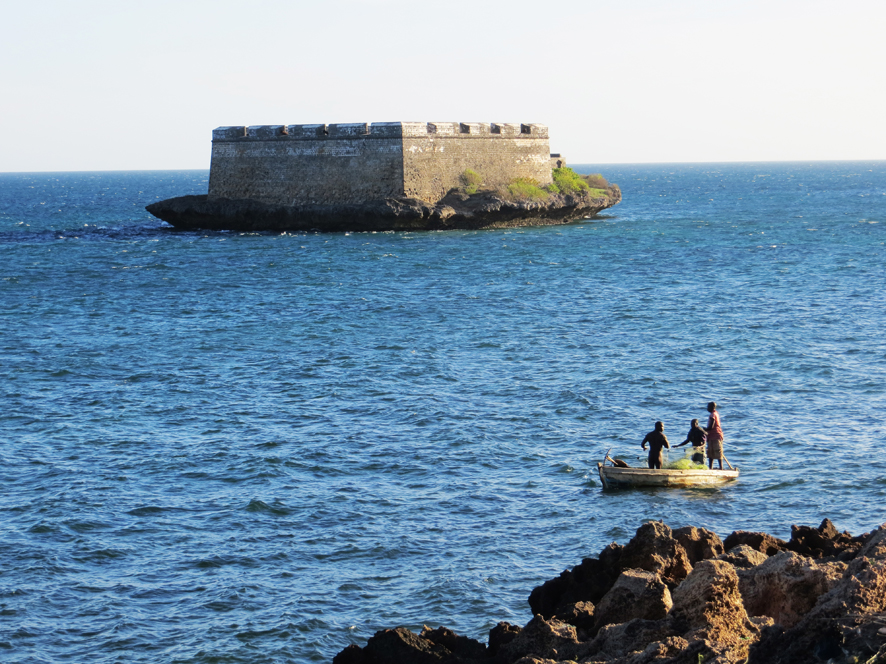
400	646
671	647
825	608
699	543
460	646
855	601
615	641
579	614
787	586
743	556
636	594
352	654
587	582
540	638
758	541
502	634
708	607
484	210
654	549
824	541
874	544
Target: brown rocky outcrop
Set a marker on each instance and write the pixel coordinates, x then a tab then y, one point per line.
674	597
743	556
786	586
397	646
619	641
653	548
839	618
823	542
484	210
544	639
502	634
580	615
708	607
636	594
699	543
586	582
758	541
460	646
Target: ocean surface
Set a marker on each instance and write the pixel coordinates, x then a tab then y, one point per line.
227	447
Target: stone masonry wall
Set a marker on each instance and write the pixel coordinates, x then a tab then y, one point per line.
298	164
436	154
356	163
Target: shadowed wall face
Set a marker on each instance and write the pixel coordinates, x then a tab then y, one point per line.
357	163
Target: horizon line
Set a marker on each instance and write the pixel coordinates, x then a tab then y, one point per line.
582	163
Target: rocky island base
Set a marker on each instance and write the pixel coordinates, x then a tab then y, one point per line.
456	211
684	597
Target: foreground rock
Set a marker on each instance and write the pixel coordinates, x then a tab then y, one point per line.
681	597
453	212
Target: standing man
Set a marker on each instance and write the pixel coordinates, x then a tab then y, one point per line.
715	437
656	440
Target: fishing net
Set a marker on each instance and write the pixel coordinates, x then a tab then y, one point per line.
684	463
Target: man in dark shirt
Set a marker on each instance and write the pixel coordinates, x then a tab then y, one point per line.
656	440
697	437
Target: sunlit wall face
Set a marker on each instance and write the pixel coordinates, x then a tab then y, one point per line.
100	85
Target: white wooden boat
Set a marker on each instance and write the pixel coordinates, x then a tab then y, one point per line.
614	477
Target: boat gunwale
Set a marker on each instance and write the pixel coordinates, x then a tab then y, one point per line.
677	472
616	477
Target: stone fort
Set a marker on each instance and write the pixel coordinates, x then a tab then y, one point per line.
356	163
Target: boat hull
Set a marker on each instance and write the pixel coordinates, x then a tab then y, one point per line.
613	477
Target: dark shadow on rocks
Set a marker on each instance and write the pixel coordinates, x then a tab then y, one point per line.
484	210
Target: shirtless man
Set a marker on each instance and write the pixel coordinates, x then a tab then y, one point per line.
656	440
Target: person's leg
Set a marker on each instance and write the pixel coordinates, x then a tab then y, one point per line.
710	464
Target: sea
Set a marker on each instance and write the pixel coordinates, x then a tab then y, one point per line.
224	447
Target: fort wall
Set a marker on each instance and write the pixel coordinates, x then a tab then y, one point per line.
357	163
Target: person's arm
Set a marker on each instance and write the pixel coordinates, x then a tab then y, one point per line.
665	438
645	438
682	444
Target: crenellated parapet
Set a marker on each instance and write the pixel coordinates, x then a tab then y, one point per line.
367	130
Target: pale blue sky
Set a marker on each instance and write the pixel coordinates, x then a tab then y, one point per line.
105	85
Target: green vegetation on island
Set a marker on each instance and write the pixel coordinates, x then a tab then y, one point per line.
471	181
566	182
